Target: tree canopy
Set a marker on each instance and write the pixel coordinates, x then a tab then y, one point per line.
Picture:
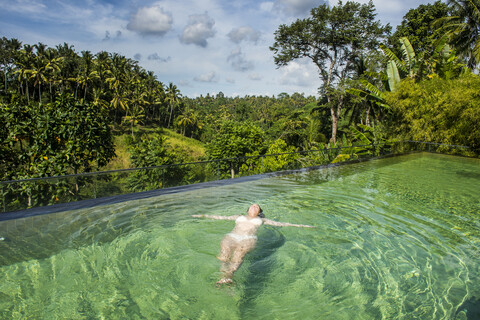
332	38
463	28
420	27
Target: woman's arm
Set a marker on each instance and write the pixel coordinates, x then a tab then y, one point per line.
285	224
215	217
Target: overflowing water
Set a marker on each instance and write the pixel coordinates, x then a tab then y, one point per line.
397	238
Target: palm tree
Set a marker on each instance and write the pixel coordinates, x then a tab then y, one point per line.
54	62
186	119
159	98
102	64
173	97
115	77
43	64
25	62
463	27
8	51
87	73
136	117
98	100
69	64
137	90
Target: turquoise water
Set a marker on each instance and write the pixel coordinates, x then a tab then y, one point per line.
396	238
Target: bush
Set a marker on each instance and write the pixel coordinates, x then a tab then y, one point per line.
437	110
235	140
151	151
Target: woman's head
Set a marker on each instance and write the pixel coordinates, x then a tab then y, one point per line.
255	211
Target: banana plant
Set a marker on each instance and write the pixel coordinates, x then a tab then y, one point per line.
364	142
442	63
410	64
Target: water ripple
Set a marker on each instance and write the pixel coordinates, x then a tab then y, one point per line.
394	239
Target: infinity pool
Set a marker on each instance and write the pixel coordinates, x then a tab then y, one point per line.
396	238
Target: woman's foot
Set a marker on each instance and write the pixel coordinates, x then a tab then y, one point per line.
225	281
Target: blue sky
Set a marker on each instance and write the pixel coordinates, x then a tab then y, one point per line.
202	46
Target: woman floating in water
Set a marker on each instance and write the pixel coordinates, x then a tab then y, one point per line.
236	244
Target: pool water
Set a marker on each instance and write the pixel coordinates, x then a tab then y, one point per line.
396	238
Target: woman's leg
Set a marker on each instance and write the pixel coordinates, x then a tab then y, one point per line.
238	254
227	246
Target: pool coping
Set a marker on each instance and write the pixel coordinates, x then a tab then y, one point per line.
89	203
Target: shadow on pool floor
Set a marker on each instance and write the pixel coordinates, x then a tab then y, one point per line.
471	308
260	268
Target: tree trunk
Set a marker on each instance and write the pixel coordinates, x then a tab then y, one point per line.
170	119
332	108
334	125
28	93
367	118
5	75
336	112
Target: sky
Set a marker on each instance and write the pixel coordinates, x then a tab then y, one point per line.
202	46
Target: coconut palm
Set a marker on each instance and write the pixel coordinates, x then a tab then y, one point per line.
53	72
8	49
69	64
115	77
463	27
24	63
186	119
98	100
38	73
173	97
44	64
87	73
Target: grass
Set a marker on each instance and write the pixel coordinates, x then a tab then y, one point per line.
194	149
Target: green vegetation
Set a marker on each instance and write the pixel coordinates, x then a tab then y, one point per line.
438	110
421	28
193	150
334	39
63	112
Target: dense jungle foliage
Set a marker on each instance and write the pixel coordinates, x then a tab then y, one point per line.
60	110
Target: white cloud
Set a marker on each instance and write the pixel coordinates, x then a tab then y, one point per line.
267	6
185	83
151	21
207	77
23	6
299	73
238	62
296	7
245	33
198	30
255	76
